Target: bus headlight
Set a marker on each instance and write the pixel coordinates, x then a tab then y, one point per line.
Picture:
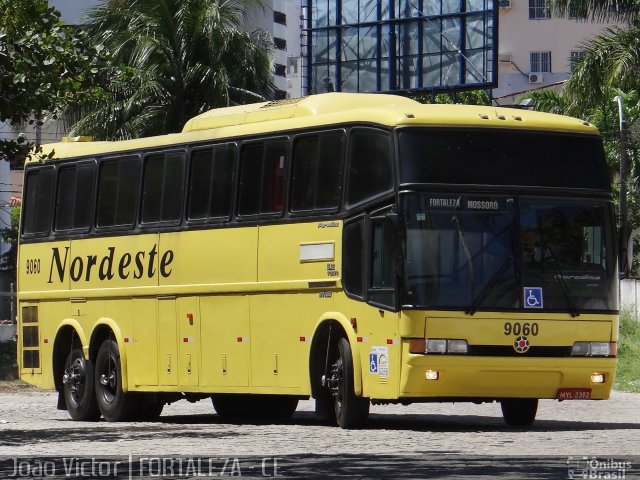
453	346
436	345
442	345
457	346
593	349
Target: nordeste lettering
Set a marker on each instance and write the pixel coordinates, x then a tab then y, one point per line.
125	265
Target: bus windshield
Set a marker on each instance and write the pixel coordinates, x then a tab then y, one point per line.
475	252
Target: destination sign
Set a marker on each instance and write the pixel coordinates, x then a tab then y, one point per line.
482	204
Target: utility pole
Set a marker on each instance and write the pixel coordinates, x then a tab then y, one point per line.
624	171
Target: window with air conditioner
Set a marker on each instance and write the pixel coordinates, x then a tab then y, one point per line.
540	62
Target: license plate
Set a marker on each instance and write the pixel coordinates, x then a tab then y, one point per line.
574	394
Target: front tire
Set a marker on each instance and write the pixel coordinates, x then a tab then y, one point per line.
78	387
351	411
519	412
114	404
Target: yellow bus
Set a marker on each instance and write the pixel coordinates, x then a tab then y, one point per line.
353	248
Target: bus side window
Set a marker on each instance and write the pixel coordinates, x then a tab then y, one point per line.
353	258
274	177
118	192
74	197
37	210
162	189
211	183
250	179
370	166
317	170
262	177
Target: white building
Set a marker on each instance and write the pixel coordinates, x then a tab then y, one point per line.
282	20
535	49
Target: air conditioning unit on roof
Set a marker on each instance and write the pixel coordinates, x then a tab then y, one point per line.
535	78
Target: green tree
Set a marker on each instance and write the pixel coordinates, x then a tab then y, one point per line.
10	235
183	57
44	65
612	59
469	97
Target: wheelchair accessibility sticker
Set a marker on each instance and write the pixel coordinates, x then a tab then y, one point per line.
533	297
379	361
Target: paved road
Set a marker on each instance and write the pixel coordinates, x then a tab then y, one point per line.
416	441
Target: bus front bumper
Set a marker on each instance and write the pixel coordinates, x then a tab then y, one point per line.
474	377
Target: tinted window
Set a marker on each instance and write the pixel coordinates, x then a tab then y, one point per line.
162	189
211	184
502	157
352	258
66	198
370	166
118	192
262	178
39	184
74	197
317	170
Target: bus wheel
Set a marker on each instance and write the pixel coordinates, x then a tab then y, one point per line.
114	404
519	412
78	387
351	411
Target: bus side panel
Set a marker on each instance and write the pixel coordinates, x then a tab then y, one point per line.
188	326
379	346
143	350
208	257
224	328
112	262
302	255
44	267
281	332
302	251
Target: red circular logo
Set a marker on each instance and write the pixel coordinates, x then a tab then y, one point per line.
521	345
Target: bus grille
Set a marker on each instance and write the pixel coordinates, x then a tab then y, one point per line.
508	351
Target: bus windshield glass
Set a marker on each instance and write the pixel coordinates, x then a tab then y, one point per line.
473	252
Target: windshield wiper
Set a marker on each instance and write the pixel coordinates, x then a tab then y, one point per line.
467	252
473	308
559	275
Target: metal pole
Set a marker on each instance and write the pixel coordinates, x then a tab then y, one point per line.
624	171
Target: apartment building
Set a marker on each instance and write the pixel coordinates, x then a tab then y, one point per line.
535	48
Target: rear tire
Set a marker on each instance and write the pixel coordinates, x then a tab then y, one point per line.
114	404
519	412
78	387
351	411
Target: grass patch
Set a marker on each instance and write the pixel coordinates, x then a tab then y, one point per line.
628	375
